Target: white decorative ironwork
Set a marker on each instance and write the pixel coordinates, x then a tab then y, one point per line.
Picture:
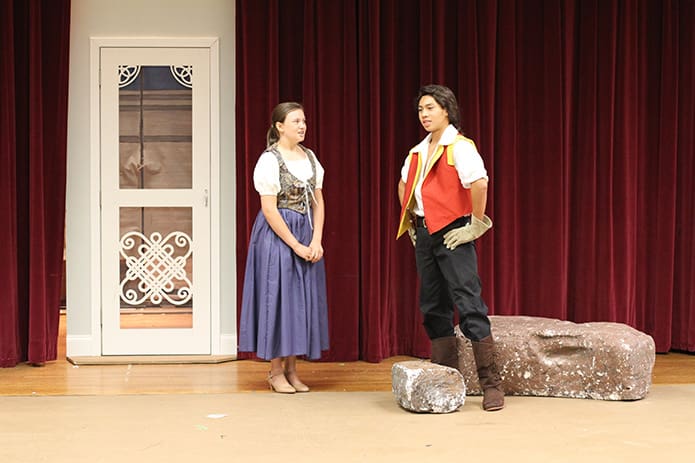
127	74
183	74
155	268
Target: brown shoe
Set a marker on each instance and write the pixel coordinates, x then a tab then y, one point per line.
488	374
445	352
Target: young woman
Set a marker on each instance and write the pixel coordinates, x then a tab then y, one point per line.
284	312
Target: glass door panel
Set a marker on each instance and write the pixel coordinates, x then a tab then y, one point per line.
156	267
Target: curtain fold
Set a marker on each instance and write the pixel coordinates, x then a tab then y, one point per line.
582	111
35	50
683	337
9	340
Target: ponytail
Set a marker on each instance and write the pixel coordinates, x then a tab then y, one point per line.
272	136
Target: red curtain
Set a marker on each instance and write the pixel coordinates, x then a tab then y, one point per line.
33	129
582	111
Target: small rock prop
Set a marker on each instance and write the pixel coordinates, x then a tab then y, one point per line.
424	387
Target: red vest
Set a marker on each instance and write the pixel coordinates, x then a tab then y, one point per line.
444	198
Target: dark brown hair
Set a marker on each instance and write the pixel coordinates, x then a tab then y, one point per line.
444	98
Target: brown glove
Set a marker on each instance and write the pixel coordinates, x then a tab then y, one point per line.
469	232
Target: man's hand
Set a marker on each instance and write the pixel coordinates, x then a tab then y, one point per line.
469	232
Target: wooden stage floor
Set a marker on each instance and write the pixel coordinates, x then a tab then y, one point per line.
61	377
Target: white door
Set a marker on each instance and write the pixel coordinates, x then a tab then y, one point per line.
155	219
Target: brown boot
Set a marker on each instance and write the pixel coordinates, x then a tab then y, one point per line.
445	352
488	374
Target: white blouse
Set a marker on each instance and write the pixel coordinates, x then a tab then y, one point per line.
266	175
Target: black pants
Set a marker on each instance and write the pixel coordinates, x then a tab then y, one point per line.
447	279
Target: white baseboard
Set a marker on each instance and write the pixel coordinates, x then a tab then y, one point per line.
84	346
81	345
228	345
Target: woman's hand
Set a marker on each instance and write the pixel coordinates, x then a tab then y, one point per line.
312	253
316	251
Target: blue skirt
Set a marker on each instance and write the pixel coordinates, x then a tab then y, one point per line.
283	310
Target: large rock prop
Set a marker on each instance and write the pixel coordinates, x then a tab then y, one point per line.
424	387
553	358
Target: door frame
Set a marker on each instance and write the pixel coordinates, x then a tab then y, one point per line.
96	44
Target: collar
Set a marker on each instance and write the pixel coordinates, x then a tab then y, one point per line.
448	138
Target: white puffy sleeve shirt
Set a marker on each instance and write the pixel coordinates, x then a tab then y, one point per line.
468	162
266	175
